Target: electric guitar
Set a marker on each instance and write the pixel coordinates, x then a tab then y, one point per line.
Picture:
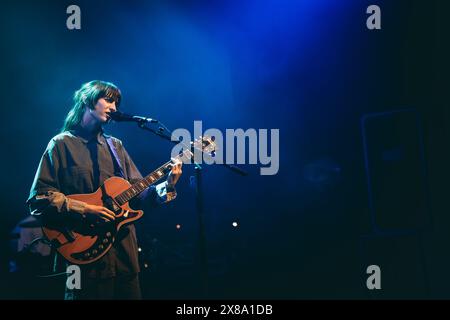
79	246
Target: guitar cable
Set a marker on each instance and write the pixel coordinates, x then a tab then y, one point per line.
45	241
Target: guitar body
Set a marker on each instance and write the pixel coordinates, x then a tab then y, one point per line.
83	248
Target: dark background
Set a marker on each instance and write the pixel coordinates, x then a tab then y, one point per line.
309	68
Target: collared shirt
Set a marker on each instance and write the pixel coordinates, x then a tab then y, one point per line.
73	163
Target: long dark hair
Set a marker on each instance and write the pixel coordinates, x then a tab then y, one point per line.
87	96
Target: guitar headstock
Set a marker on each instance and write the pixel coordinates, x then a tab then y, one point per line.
206	144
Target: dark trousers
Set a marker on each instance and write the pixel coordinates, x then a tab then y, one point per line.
122	287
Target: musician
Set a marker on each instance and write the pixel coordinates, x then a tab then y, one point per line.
78	161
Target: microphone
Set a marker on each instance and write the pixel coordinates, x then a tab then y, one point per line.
123	117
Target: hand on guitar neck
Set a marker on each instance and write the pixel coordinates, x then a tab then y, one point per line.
175	172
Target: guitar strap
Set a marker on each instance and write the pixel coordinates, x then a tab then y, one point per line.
115	157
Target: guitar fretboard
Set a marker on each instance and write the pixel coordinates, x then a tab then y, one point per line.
146	182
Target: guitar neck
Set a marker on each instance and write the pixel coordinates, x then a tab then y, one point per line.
150	179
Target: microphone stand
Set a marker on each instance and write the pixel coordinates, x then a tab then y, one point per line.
198	183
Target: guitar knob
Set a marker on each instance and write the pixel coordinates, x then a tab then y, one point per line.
87	254
100	247
94	252
105	240
108	234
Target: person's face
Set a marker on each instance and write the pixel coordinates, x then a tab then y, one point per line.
103	107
